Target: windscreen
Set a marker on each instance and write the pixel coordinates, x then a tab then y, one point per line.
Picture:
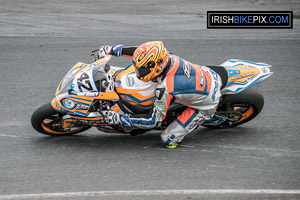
103	78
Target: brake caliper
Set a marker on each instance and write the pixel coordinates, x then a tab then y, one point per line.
229	117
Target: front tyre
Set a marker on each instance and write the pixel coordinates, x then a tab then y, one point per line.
48	121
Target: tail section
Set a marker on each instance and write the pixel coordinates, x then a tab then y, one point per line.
244	74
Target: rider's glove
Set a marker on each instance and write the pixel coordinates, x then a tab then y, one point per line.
114	118
106	50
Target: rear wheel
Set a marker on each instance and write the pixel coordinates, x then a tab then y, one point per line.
248	103
48	121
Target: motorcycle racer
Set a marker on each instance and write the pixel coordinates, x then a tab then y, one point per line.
198	88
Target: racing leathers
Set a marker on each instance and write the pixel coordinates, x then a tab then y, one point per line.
196	87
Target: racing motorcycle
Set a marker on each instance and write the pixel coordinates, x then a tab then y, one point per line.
89	89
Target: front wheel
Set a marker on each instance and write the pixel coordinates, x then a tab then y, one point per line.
48	121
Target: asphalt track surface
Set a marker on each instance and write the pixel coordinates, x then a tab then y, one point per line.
41	40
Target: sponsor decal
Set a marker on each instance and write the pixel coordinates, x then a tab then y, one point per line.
92	121
239	68
130	81
160	107
242	76
187	69
215	77
201	79
81	106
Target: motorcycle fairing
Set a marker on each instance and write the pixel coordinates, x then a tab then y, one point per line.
82	103
243	74
79	86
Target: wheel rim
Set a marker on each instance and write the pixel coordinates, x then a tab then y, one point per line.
53	125
246	109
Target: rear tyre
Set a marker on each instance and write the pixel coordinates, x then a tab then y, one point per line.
48	121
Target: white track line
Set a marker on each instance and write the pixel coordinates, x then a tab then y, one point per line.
142	193
3	135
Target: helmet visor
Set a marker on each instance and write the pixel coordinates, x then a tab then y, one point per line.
141	71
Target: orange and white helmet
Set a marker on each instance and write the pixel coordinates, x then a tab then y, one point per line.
149	60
